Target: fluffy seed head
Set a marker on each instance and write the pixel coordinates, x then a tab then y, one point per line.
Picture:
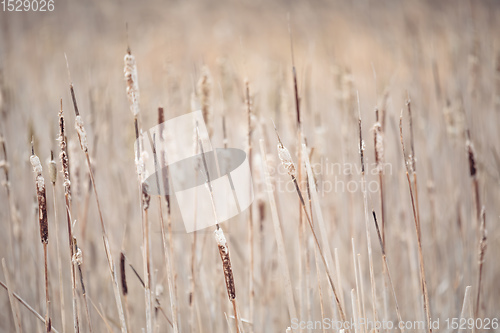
82	135
77	258
42	200
379	146
226	263
204	94
472	157
130	72
286	160
64	155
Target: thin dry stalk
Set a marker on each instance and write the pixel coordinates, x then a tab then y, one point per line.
356	279
26	305
147	256
321	301
195	233
483	243
53	179
410	168
287	163
82	136
386	265
362	283
130	71
108	327
167	254
354	310
367	228
321	224
248	104
14	225
67	197
13	306
44	229
467	302
379	161
282	258
302	227
316	259
221	240
339	276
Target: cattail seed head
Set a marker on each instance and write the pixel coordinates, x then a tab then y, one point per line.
64	155
379	146
77	258
130	72
123	274
42	200
146	198
226	263
483	243
82	135
472	157
204	91
286	160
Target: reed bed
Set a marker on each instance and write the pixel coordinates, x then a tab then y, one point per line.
319	102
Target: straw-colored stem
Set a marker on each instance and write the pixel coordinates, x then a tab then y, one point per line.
367	228
481	254
467	302
48	320
282	257
59	261
15	310
170	278
109	256
362	283
24	303
387	270
67	198
251	290
112	269
322	228
423	280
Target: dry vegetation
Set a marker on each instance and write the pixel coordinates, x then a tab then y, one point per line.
375	94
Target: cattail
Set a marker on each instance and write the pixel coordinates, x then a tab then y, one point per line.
130	72
123	275
64	155
286	159
42	200
67	195
288	164
44	227
226	263
77	258
379	146
83	144
204	91
146	198
82	135
472	157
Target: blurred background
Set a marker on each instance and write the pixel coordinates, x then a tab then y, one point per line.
444	54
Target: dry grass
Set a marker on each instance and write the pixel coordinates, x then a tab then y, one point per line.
303	250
